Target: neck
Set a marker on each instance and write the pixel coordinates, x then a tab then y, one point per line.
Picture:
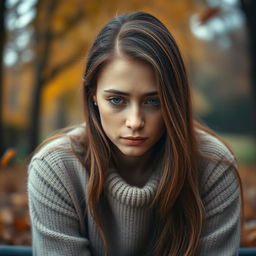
132	162
135	170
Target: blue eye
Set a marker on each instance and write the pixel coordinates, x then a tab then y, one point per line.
116	100
153	102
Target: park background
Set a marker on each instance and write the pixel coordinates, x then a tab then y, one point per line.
43	49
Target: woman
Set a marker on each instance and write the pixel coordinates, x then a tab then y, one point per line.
141	177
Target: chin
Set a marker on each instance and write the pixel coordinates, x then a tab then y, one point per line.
133	152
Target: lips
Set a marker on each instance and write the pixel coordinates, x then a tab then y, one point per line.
133	141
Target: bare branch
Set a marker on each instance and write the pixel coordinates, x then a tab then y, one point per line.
58	69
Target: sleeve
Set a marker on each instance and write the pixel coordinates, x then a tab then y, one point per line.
55	223
222	202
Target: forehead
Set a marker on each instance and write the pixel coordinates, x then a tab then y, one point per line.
127	74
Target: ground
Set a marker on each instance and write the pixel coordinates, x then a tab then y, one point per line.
14	218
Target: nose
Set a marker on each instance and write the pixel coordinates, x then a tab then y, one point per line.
135	119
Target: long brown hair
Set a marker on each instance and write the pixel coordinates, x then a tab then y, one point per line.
143	37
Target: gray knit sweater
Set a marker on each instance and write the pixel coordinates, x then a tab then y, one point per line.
62	224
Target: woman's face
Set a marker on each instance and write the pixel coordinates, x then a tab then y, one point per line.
129	106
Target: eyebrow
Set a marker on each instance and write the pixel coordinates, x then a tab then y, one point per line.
127	94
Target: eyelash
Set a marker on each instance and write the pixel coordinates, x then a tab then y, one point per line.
155	103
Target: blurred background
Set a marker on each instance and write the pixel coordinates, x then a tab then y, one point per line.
43	48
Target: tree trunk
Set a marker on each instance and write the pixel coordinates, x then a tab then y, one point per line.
43	43
2	42
249	9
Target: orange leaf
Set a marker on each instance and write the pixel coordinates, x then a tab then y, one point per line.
20	224
7	157
208	14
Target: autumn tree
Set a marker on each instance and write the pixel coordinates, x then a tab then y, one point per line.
45	36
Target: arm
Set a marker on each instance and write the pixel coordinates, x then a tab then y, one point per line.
221	231
56	226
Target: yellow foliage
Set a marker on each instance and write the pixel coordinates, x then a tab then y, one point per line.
70	79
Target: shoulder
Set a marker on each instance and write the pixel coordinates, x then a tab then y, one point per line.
59	144
213	147
58	161
218	177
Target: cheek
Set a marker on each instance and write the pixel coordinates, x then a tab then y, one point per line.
108	118
157	121
105	115
157	125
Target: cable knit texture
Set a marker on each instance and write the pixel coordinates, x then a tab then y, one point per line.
62	224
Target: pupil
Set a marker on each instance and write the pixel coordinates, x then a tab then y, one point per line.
153	102
117	100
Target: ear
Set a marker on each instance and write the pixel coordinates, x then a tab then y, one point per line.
94	98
